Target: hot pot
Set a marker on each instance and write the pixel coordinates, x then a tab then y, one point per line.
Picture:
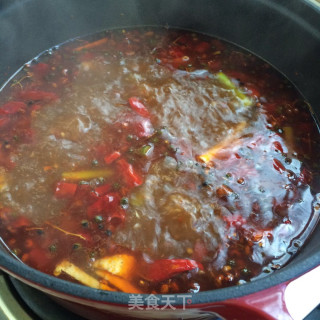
285	33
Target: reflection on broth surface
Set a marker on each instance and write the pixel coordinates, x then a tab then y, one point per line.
154	160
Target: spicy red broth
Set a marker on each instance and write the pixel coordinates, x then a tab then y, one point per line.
156	161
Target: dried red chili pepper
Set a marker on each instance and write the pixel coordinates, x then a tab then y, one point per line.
175	52
129	174
116	217
111	201
12	107
277	145
4	122
102	190
36	95
40	70
305	176
278	165
166	268
95	208
65	189
202	47
112	157
106	204
139	107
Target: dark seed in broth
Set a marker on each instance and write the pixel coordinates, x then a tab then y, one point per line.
155	161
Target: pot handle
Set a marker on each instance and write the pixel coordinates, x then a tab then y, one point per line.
291	300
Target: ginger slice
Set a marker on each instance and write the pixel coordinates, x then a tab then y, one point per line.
210	154
78	274
3	181
122	265
87	174
118	282
91	45
228	84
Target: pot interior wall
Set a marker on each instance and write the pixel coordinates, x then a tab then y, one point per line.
275	30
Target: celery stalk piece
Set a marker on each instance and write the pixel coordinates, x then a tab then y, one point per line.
228	84
87	174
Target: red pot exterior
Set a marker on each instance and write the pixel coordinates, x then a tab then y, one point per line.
268	304
264	305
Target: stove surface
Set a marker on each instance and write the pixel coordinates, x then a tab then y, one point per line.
19	301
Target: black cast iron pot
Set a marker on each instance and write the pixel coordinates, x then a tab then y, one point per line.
285	33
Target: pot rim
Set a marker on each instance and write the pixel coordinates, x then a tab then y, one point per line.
56	286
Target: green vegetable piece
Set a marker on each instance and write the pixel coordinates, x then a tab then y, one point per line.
225	80
145	150
228	84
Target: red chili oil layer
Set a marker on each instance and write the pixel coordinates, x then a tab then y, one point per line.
181	150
